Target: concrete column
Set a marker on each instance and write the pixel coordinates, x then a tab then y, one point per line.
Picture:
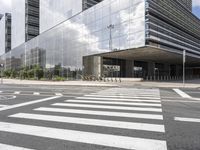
179	70
151	68
93	65
129	68
167	69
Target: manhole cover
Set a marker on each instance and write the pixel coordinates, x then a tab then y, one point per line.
6	97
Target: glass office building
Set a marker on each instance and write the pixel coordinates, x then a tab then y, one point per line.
53	12
1	16
114	38
5	36
187	4
2	35
25	21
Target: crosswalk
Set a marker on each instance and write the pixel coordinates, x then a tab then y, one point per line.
146	95
116	109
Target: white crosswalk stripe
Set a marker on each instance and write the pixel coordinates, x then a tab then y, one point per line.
3	106
126	97
17	92
115	103
36	93
85	137
108	107
103	111
118	99
10	147
94	122
58	94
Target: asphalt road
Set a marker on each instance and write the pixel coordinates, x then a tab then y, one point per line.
98	118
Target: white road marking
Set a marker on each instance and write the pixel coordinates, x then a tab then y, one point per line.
3	105
181	93
10	147
94	122
124	95
115	103
101	113
118	99
17	92
7	97
85	137
1	91
58	94
111	94
127	97
187	119
109	107
36	93
28	103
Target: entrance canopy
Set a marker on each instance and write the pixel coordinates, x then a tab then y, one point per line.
153	54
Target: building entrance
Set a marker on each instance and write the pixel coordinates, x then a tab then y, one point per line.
113	67
140	69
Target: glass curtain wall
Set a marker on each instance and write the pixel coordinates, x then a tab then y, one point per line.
18	22
86	34
53	12
2	36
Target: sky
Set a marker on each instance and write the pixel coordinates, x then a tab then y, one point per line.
196	8
5	6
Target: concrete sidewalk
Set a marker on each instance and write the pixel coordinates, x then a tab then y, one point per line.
189	83
59	83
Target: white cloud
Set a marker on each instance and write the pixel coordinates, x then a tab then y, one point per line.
196	3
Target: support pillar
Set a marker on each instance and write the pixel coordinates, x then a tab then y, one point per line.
179	70
167	69
129	68
93	65
151	69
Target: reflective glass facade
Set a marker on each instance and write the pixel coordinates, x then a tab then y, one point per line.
8	20
53	12
18	22
89	3
1	16
2	35
84	34
32	19
111	26
25	21
5	33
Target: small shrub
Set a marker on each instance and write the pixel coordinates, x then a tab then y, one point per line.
57	78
